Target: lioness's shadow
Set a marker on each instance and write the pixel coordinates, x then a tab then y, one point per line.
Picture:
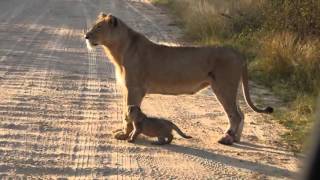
255	147
230	161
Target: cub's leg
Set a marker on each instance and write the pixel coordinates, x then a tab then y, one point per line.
123	134
161	141
133	135
134	96
117	130
169	140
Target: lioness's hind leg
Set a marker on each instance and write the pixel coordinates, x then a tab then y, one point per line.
240	128
226	93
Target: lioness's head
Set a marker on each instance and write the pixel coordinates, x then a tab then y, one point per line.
103	31
135	114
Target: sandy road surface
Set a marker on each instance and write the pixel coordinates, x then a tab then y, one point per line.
59	103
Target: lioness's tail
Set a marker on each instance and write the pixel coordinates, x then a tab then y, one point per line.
175	127
245	88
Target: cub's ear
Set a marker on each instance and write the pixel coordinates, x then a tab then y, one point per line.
132	108
129	109
102	15
112	20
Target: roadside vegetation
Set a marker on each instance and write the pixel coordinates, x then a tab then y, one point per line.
281	40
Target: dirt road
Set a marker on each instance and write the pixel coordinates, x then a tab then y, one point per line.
59	103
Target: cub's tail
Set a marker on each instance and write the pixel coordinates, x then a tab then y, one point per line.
175	127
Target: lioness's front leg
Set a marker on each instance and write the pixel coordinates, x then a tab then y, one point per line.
134	96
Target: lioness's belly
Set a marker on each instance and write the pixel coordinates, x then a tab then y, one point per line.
175	89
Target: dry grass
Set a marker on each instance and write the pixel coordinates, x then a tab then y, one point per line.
291	67
299	119
206	20
283	57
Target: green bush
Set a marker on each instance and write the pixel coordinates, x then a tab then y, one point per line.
301	17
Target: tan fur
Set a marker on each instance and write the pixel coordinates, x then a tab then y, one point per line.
152	127
149	68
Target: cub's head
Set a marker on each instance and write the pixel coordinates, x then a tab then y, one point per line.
135	114
104	31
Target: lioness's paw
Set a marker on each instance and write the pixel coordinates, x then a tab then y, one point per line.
226	140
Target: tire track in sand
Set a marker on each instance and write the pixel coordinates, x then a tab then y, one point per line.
121	161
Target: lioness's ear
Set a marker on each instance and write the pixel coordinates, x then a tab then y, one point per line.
113	20
102	15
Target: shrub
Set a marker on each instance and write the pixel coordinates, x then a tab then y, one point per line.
285	58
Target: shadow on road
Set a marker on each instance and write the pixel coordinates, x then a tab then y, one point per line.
232	161
229	161
267	149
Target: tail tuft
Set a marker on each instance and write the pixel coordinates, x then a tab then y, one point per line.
269	110
188	137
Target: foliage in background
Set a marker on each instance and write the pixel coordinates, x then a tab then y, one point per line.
280	39
301	17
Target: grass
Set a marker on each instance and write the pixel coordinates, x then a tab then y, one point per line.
283	54
299	120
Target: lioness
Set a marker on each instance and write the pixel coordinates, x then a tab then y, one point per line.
149	68
152	127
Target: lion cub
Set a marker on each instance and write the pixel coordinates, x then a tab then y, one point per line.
153	127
